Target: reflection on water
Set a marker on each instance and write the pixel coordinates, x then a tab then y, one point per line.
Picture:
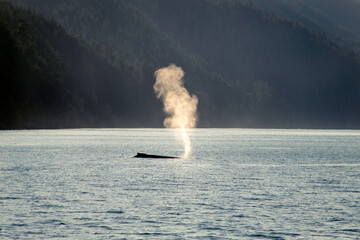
238	184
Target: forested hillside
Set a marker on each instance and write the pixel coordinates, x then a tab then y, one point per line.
247	67
50	79
337	19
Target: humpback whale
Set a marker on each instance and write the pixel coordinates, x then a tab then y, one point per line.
144	155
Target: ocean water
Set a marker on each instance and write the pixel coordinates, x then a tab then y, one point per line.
238	184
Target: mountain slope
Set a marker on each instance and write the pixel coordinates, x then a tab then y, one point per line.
338	19
344	13
312	80
50	79
248	68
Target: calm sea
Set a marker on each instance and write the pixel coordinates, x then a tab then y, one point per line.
238	184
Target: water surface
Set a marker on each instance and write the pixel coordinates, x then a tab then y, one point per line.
238	184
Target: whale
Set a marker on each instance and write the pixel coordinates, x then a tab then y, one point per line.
144	155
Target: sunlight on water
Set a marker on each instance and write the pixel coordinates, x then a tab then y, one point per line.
314	132
237	184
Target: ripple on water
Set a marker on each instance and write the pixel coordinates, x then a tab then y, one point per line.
352	230
34	233
115	211
10	198
52	222
155	234
240	216
285	234
19	225
265	236
16	169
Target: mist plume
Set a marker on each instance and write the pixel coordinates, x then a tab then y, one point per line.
178	104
